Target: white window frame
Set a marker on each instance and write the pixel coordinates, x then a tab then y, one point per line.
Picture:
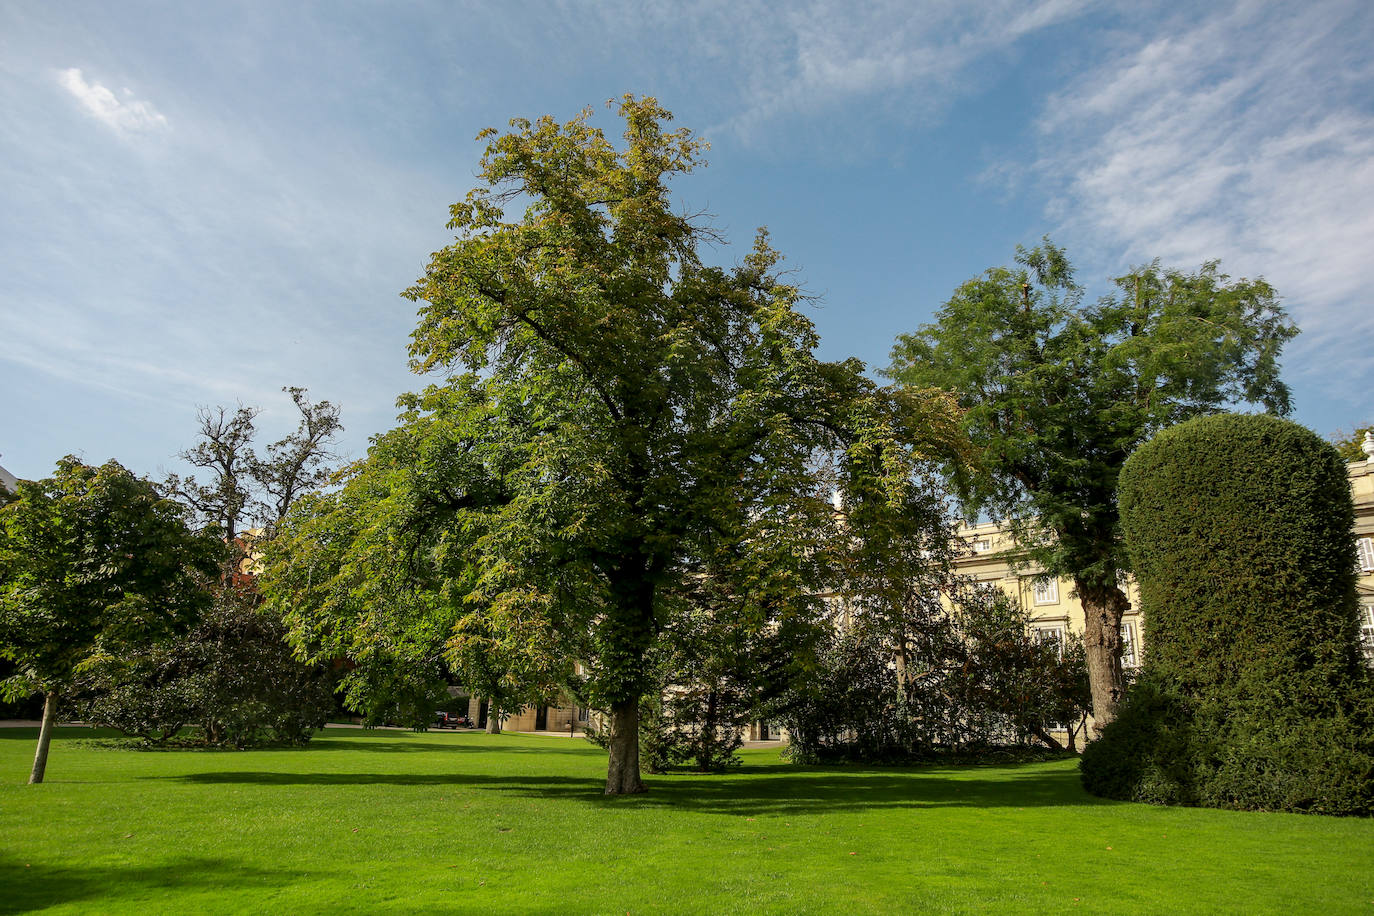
1367	632
982	545
1044	633
1045	590
1364	549
1130	648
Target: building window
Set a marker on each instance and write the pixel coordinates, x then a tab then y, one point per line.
986	587
1046	590
1365	548
983	545
1050	636
1367	633
1130	656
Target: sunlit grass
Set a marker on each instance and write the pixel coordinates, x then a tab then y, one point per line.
388	820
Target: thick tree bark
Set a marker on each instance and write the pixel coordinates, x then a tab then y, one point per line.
1103	607
40	758
493	720
622	771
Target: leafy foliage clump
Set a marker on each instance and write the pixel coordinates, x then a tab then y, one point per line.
713	678
980	681
1254	695
1350	445
93	562
232	677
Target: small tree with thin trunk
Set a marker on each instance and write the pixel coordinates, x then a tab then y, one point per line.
93	561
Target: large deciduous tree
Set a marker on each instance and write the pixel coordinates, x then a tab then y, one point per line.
92	561
1058	392
623	409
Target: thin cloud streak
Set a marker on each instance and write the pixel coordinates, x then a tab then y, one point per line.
825	56
219	264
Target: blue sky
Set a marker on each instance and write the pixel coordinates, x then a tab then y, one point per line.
205	202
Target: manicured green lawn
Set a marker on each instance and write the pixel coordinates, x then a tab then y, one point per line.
395	821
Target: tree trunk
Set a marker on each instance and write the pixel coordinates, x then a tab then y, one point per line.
622	771
1103	607
493	720
902	662
40	758
706	751
1049	740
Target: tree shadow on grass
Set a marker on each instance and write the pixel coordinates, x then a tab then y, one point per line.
770	790
388	743
35	886
29	734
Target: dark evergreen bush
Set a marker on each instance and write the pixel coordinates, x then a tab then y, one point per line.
232	678
1254	696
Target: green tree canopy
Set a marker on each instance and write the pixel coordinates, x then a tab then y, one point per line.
92	561
379	572
232	674
620	414
1058	392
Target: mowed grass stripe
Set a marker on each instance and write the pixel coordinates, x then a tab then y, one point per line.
368	821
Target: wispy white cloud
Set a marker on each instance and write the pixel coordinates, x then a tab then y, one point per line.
1246	136
827	54
756	67
246	250
122	112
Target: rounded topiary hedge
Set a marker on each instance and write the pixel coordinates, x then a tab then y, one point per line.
1253	693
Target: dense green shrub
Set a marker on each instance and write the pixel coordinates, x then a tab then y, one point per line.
981	682
705	695
232	678
1254	696
1146	753
848	706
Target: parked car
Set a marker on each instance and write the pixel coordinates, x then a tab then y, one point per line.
448	720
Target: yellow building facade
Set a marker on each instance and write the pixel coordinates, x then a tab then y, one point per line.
1054	609
1362	490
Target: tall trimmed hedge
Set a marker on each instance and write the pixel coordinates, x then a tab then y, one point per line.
1253	694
